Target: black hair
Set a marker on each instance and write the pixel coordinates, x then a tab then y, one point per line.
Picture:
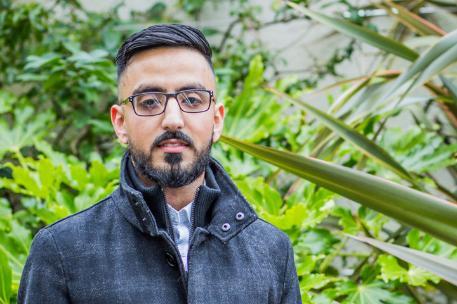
162	35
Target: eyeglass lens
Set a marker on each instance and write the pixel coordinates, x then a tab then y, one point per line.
189	101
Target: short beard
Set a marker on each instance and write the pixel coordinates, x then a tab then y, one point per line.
176	175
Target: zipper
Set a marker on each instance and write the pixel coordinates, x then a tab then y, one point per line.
183	271
170	238
192	214
168	223
191	236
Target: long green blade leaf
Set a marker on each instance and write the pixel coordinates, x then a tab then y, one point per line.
411	20
5	279
442	267
446	59
444	3
364	144
358	32
443	47
412	207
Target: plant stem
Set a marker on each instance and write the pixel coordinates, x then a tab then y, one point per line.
20	158
329	259
227	33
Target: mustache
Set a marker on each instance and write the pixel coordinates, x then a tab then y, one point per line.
179	135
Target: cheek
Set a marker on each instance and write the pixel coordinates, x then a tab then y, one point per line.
202	130
141	134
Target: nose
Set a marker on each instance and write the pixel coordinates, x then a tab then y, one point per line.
172	117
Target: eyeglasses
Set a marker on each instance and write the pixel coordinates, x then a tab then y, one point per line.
155	103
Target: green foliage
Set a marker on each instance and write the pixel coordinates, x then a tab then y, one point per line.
418	150
5	279
414	276
58	155
373	292
53	190
252	114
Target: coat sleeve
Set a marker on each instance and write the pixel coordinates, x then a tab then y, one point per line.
43	277
291	291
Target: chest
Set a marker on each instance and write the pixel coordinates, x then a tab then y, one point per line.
149	270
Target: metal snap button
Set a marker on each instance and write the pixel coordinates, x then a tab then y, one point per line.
170	259
137	203
239	216
225	227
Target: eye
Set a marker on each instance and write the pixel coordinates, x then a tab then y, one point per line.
192	99
148	101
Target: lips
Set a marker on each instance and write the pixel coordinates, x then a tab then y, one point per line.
173	146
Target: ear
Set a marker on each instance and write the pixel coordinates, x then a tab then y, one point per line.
219	112
118	121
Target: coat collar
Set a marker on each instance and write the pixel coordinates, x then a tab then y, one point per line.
219	207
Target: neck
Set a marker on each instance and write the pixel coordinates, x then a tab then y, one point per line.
180	197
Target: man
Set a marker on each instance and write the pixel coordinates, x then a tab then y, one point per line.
177	230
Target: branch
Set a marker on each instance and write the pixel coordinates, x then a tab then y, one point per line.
228	32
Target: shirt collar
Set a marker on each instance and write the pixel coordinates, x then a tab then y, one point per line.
176	216
216	204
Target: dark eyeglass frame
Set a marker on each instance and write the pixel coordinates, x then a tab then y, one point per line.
168	95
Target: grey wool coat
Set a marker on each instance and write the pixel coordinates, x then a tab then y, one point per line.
121	250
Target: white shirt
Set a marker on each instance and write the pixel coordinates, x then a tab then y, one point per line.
181	223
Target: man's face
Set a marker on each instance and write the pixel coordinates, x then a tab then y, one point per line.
173	145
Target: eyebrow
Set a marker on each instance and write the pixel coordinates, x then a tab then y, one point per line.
143	88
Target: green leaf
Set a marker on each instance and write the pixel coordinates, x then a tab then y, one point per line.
411	20
439	63
316	241
346	220
241	104
79	176
5	279
36	62
7	101
305	263
260	194
440	55
20	236
28	127
418	150
412	207
5	214
442	267
315	281
372	220
421	241
47	176
372	293
27	180
361	142
98	173
362	33
253	114
390	270
293	217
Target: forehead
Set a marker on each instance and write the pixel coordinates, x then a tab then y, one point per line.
166	68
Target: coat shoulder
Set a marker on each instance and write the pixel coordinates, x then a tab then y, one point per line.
267	234
98	212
